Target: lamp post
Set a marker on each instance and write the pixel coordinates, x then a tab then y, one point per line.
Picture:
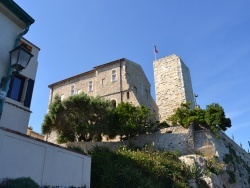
195	103
19	60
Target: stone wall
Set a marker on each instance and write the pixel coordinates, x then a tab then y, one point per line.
171	139
172	85
220	146
239	159
130	85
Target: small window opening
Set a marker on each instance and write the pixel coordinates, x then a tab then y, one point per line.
113	75
113	103
72	90
135	90
90	85
127	94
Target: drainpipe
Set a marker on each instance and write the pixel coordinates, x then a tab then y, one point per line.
6	85
121	80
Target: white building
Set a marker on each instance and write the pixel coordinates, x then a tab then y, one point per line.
14	23
21	155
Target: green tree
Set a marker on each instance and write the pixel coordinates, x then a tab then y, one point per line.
181	115
215	117
84	118
133	120
212	117
77	118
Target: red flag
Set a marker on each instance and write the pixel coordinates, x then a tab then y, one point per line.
156	51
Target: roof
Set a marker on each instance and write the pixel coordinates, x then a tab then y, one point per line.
88	72
110	63
70	78
18	11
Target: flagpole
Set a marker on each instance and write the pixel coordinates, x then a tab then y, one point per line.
154	51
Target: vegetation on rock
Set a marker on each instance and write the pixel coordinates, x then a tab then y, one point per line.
213	117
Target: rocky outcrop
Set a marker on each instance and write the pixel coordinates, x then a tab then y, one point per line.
213	173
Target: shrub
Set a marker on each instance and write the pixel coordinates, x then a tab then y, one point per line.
136	168
228	158
232	176
23	182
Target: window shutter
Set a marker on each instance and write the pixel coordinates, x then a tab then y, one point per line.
29	92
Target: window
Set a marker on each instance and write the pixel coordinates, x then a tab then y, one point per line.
29	91
141	88
16	88
72	90
62	97
79	91
113	76
146	92
135	90
90	85
113	103
20	85
103	81
127	94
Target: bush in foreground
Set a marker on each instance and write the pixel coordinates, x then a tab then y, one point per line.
136	168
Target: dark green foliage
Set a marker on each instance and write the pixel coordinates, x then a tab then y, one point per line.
132	120
84	118
214	165
212	117
228	159
135	168
232	176
181	116
78	118
22	182
215	117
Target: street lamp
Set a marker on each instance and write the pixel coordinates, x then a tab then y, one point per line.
19	59
195	103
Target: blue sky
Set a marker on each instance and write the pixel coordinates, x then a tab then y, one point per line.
212	38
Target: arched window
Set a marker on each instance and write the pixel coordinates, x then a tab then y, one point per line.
79	91
113	103
62	97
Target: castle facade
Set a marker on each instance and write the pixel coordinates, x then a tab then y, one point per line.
125	81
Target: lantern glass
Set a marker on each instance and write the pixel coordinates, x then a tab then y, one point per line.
20	58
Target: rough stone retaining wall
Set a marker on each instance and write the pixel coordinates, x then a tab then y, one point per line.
171	139
220	146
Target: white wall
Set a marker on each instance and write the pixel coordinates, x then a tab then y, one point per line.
47	164
15	115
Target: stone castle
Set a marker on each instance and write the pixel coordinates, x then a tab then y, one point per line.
173	85
125	81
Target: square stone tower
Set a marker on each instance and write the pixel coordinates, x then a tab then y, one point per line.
173	85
